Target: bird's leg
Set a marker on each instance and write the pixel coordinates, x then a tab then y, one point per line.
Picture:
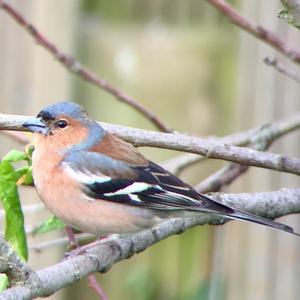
73	243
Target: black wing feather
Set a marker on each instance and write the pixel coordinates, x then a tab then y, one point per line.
167	192
97	189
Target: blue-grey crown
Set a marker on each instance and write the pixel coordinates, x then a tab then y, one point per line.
71	109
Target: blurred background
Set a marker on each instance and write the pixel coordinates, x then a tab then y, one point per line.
201	75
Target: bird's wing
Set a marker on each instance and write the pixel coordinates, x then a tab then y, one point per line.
149	186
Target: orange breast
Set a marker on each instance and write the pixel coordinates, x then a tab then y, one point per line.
64	197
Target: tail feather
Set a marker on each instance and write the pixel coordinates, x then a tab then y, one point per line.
218	208
243	216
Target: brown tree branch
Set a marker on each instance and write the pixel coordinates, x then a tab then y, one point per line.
219	179
256	30
75	67
274	131
177	164
101	257
261	140
180	142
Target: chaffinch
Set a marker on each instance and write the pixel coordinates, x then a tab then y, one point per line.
98	183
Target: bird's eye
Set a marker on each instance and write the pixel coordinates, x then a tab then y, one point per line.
62	123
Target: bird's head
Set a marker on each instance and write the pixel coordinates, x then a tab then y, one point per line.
65	124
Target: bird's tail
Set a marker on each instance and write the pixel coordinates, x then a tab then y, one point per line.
238	215
232	213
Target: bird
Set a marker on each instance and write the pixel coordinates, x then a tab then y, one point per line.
98	183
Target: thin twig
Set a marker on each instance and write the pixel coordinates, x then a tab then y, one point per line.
261	141
94	284
177	164
279	128
181	142
225	176
258	31
273	62
76	68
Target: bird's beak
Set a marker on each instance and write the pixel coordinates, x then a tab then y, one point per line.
35	125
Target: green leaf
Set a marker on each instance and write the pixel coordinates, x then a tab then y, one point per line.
9	181
3	282
21	172
53	223
6	168
14	218
15	155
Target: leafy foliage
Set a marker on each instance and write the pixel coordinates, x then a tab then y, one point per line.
10	178
53	223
